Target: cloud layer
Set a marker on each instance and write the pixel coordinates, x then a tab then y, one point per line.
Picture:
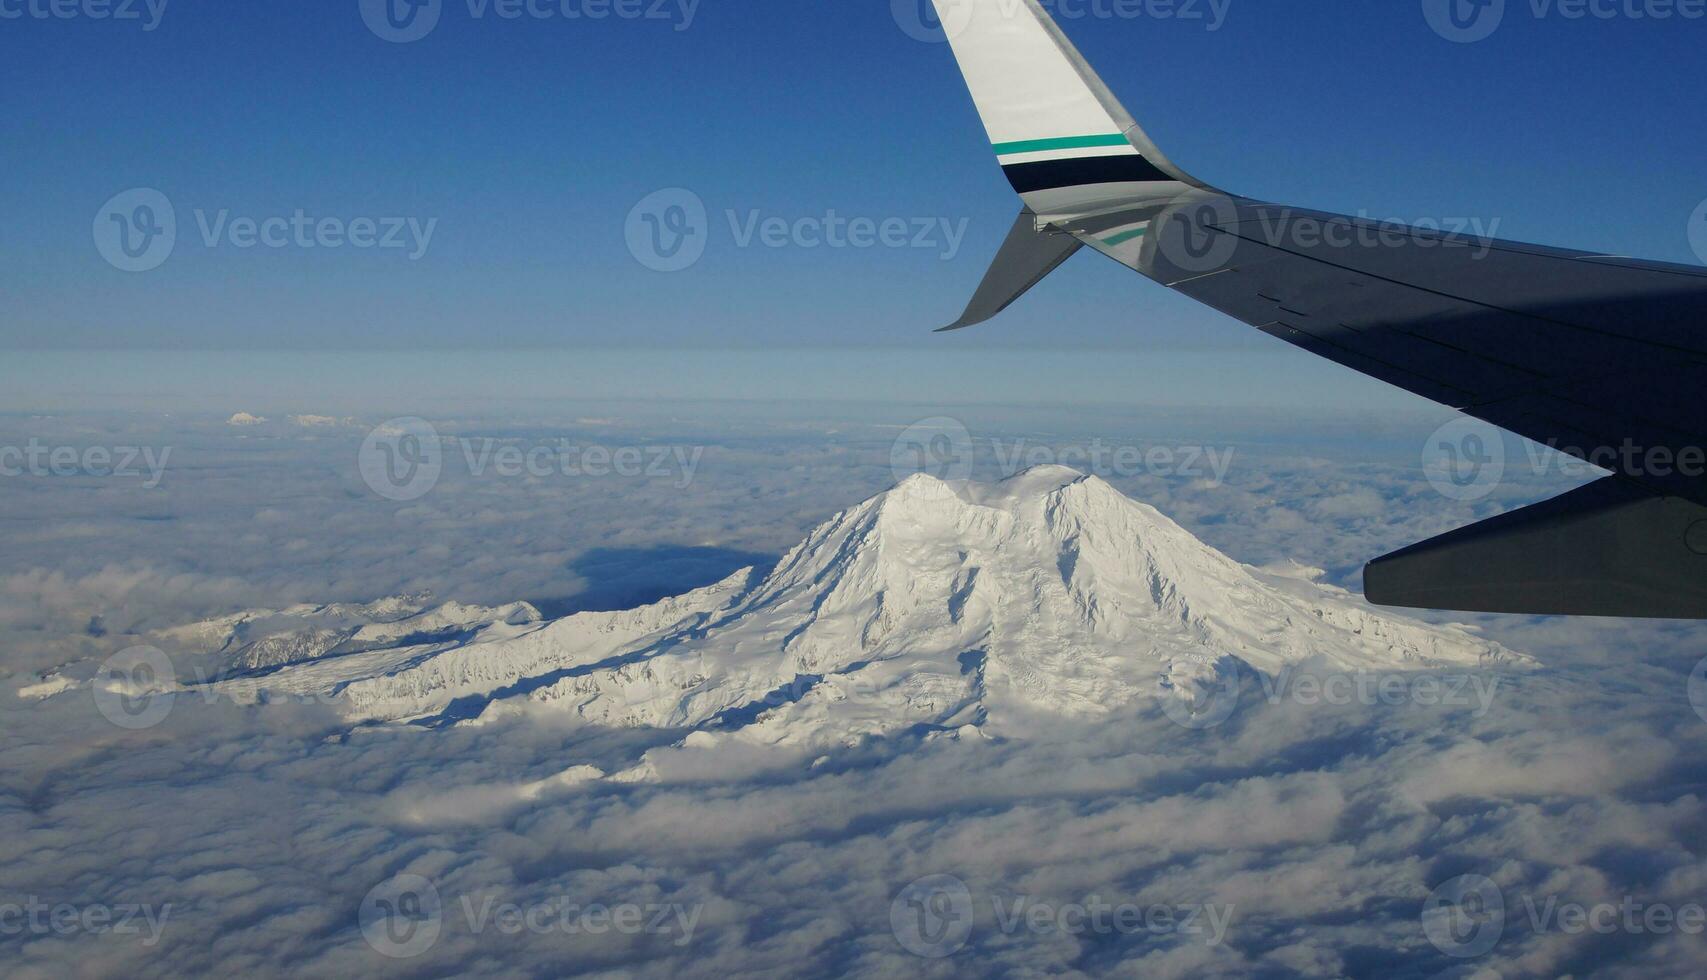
1320	829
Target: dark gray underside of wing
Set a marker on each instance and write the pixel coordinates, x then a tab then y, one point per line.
1569	349
1599	357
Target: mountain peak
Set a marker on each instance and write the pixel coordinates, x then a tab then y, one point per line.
920	487
1025	491
935	603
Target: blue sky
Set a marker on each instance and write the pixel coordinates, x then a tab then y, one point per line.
524	145
526	142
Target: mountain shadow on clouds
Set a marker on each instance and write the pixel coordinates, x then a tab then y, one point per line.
623	578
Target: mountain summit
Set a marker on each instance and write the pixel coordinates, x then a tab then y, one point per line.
932	606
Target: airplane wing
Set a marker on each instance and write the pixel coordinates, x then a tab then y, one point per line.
1601	357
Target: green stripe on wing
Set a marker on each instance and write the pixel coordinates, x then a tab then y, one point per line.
1125	236
1060	143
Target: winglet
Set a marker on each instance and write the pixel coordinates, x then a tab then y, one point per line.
1026	258
1066	144
1064	141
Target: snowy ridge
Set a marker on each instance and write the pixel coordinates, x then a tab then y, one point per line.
931	607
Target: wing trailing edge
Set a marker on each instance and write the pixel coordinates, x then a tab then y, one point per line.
1611	548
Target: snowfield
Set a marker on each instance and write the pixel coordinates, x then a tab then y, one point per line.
933	607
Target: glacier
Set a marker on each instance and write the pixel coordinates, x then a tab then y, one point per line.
935	608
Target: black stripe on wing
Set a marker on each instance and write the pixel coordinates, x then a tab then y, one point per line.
1049	174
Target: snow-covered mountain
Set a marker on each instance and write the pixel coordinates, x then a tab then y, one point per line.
932	607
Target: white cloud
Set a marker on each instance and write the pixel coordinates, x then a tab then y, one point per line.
1324	827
